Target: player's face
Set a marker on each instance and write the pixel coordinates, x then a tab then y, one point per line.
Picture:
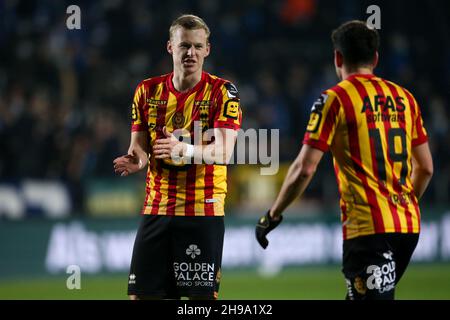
188	48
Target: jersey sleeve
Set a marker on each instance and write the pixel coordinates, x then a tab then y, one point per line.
323	121
419	134
138	122
228	113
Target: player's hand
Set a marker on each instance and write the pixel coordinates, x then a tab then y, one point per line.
264	226
128	164
169	147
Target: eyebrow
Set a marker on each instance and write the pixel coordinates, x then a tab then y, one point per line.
188	43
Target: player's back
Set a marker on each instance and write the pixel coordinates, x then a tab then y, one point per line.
371	126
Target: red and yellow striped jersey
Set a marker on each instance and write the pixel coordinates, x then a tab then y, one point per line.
370	125
192	189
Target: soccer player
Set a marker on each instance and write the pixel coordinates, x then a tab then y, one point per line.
178	247
382	163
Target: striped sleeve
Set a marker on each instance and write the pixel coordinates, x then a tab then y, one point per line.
228	113
419	134
138	122
323	121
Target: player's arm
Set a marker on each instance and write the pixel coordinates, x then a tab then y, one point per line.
137	157
318	138
422	169
297	179
220	150
217	152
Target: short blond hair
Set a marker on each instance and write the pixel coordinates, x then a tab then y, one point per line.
189	22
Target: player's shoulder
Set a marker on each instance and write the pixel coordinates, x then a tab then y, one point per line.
328	95
220	84
400	88
153	81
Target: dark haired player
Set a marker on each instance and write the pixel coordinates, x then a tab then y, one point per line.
382	162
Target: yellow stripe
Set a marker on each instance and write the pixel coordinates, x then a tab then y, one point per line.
207	92
136	99
220	189
180	202
152	190
171	108
200	191
164	189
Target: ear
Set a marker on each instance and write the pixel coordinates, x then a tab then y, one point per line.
338	59
375	60
208	49
169	47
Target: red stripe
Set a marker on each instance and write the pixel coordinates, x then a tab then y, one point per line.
157	188
209	189
322	146
416	208
330	121
160	122
189	209
397	187
172	192
387	125
355	152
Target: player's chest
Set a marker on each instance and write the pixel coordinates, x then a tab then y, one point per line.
178	112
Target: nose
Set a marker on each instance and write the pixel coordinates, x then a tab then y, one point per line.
190	51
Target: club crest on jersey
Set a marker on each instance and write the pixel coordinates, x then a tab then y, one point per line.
316	113
178	120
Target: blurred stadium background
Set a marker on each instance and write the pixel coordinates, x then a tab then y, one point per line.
64	116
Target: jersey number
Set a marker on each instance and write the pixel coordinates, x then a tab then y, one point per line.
395	156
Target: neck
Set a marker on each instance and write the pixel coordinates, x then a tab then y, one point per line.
361	70
182	82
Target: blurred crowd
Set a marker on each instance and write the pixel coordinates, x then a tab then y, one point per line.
65	95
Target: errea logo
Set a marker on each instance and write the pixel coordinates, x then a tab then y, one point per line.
132	279
193	251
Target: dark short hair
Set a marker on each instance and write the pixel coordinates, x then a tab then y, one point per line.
189	22
357	42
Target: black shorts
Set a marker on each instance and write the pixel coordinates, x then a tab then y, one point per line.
374	264
177	256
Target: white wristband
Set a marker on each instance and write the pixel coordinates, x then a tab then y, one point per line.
189	150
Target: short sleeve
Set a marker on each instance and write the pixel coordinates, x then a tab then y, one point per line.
419	134
138	122
228	113
323	121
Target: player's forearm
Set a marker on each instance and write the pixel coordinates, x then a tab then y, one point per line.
211	154
298	178
420	180
139	147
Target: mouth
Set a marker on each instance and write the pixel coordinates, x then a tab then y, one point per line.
189	62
